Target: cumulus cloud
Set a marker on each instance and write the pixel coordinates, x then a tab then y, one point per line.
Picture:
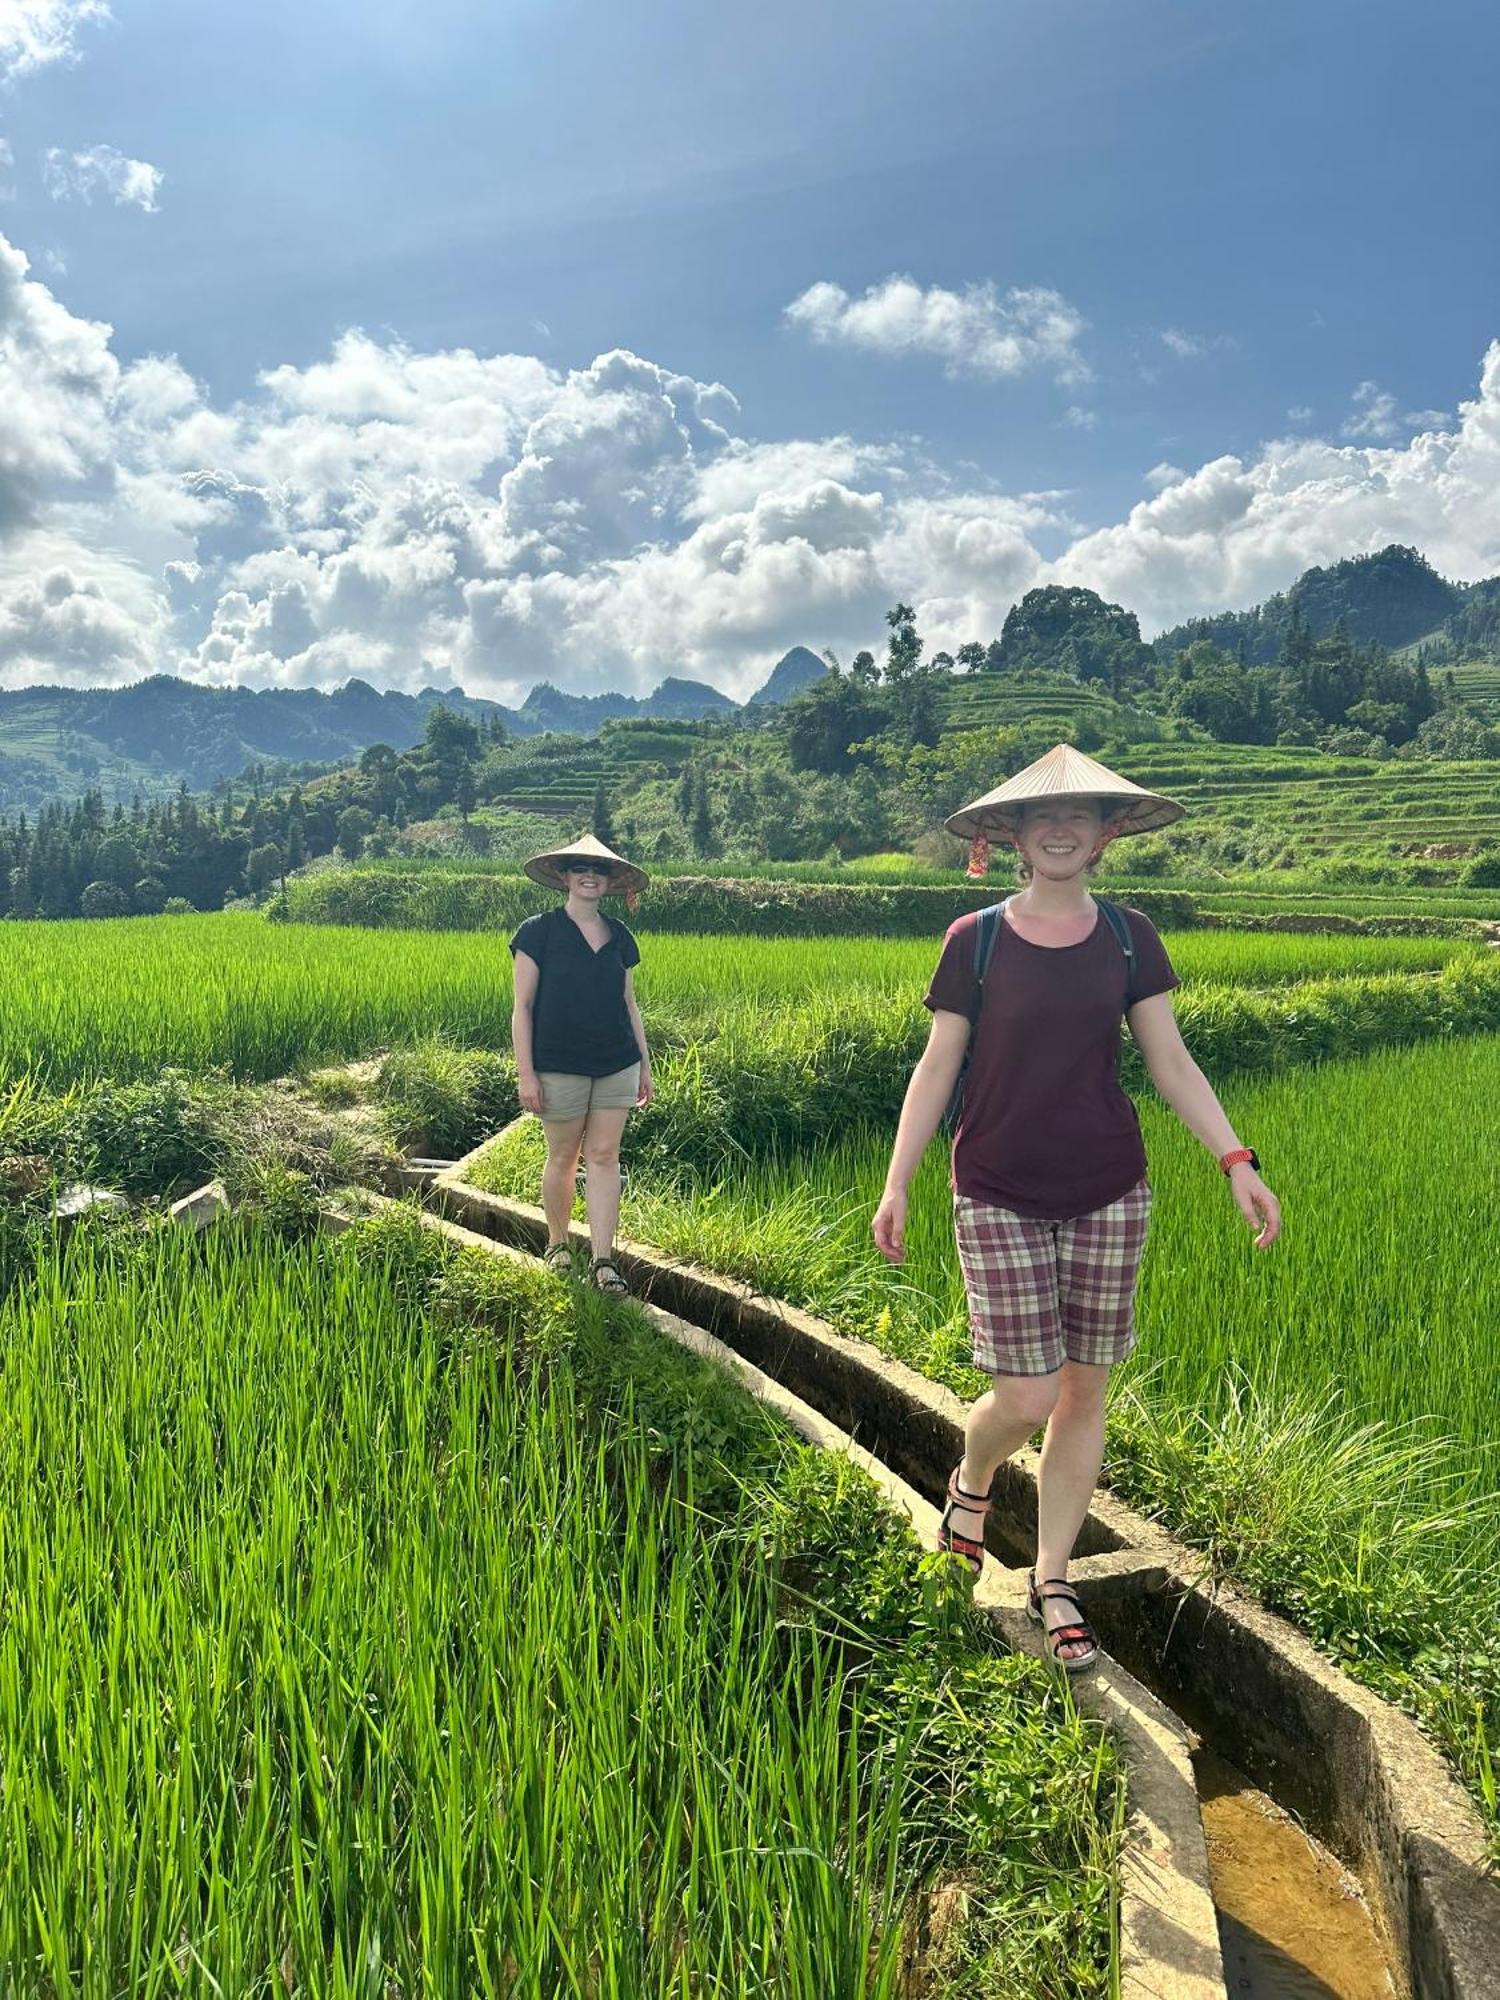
57	377
1077	418
976	331
34	33
101	170
7	161
491	519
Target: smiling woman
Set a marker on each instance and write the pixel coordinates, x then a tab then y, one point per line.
582	1062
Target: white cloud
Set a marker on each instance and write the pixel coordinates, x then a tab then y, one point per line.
1077	418
492	520
133	183
978	331
7	161
1372	413
1300	413
1193	346
57	376
34	33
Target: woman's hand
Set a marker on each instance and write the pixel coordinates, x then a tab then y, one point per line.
889	1226
1257	1204
647	1089
529	1090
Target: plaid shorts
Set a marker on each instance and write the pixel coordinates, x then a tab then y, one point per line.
1043	1291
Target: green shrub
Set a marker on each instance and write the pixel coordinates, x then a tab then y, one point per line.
147	1137
382	899
440	1100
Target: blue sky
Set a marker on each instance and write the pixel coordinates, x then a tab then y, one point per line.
1145	242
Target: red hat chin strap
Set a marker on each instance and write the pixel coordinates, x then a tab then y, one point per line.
979	856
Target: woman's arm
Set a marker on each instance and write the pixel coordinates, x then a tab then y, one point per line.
1183	1086
638	1027
527	973
926	1100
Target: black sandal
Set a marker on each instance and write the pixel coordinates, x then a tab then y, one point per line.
969	1552
558	1258
1062	1635
614	1282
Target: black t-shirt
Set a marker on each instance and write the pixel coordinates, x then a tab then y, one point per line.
579	1022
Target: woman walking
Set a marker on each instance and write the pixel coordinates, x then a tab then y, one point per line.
582	1063
1051	1199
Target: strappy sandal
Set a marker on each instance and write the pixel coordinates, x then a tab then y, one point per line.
604	1273
558	1258
970	1552
1062	1635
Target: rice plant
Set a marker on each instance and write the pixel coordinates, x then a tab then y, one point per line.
374	1624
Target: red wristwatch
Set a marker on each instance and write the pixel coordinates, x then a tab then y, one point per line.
1246	1154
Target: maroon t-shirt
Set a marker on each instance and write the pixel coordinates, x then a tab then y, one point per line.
1046	1128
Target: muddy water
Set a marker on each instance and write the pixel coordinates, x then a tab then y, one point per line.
1292	1921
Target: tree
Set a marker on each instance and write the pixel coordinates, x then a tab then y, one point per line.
354	824
703	819
104	899
1073	630
149	896
970	656
904	651
600	823
994	657
263	868
863	668
826	719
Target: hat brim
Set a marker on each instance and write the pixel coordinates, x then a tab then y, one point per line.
625	879
1126	813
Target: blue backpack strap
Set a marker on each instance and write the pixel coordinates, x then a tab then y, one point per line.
1119	923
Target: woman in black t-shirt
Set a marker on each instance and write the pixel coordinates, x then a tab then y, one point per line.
582	1063
1051	1201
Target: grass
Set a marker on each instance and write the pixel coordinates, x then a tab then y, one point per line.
405	1622
1319	1419
126	997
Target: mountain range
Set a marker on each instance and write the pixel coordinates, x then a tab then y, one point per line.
163	732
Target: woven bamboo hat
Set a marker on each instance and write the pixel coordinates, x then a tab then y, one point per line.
1065	773
625	879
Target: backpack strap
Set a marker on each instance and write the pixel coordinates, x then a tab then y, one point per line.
986	931
1119	923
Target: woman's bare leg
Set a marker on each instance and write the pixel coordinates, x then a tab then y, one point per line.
999	1424
601	1158
1072	1453
560	1175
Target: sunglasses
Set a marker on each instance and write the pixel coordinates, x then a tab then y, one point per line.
588	868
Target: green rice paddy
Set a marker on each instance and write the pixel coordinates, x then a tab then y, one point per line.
127	997
375	1623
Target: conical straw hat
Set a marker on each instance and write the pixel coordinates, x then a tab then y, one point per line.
625	879
1065	773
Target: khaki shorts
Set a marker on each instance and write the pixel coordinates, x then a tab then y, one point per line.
565	1098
